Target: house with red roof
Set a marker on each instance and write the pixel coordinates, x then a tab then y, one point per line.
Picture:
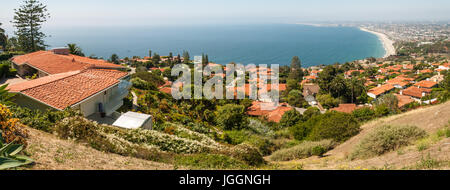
274	114
399	82
416	93
44	63
425	84
403	100
90	90
380	90
69	81
346	108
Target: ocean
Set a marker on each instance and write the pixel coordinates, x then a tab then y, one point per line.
246	44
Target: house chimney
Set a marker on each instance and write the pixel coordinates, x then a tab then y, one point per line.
379	85
61	51
401	92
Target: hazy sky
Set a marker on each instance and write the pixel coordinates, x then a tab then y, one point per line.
156	12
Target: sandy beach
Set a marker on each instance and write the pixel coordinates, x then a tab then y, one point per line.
387	43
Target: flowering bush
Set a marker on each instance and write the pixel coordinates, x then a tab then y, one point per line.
10	129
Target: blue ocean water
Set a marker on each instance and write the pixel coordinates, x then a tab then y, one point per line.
257	44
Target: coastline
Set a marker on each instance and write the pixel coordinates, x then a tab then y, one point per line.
388	44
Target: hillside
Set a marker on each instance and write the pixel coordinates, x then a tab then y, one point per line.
52	153
429	118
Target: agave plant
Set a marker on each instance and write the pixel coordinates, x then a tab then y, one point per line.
9	157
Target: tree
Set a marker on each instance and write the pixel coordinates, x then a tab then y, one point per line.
290	118
186	57
231	116
386	104
327	101
355	88
325	78
292	84
331	125
28	20
364	114
310	112
156	59
295	98
337	87
296	69
115	59
3	38
150	53
75	50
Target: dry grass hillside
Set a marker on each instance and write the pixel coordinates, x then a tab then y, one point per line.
52	153
436	156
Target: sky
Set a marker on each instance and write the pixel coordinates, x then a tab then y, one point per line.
175	12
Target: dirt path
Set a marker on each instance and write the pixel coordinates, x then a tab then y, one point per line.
52	153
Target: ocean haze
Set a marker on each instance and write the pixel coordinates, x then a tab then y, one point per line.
257	44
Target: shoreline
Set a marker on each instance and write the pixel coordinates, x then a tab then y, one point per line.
388	44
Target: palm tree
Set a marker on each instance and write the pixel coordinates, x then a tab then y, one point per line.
75	50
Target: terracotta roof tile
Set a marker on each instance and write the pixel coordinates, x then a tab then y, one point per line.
381	89
403	100
52	63
64	90
415	92
425	84
346	108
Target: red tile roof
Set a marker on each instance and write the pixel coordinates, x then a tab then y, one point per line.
346	108
398	81
381	89
415	92
52	63
425	84
64	90
403	100
271	115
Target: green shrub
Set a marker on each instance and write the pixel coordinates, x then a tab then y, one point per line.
247	153
149	77
364	114
236	137
8	55
142	84
331	125
310	112
290	118
296	99
231	117
209	161
303	150
385	139
263	144
44	121
260	128
327	101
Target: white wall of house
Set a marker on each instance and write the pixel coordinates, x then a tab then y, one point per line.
90	106
372	95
